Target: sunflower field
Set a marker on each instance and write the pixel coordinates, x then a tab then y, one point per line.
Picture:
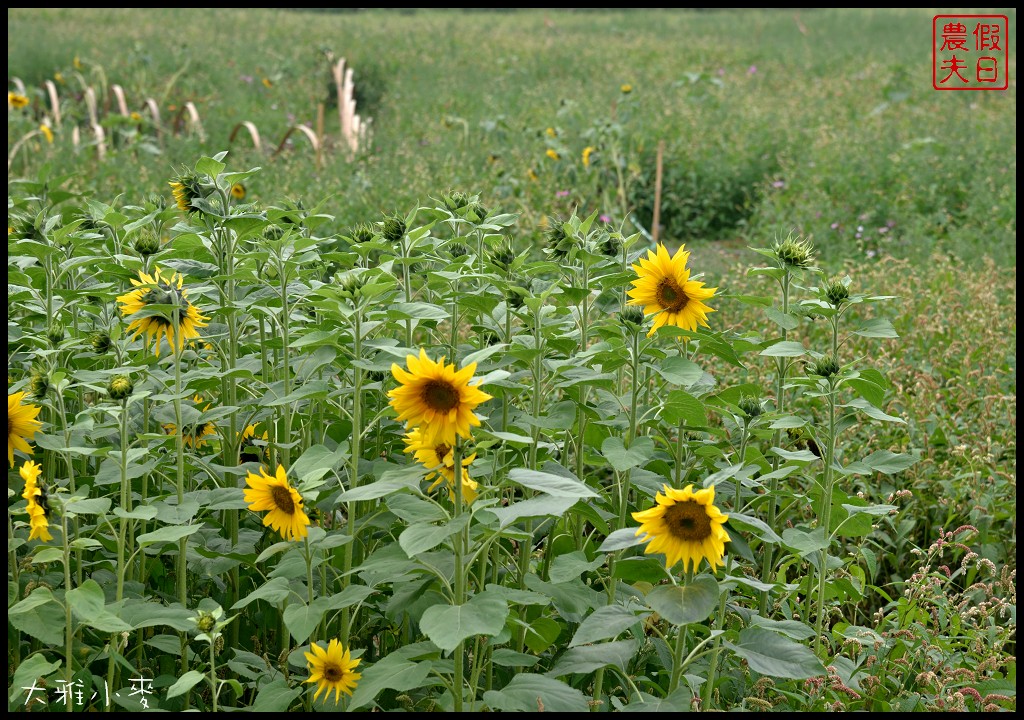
451	423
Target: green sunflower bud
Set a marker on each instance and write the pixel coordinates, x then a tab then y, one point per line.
120	387
632	318
476	212
457	250
55	332
39	382
100	342
455	201
611	244
559	243
516	297
393	228
794	252
750	406
503	257
351	283
146	243
361	233
836	292
205	622
826	366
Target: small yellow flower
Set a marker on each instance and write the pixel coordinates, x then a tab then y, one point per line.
59	78
439	459
332	669
267	84
135	116
551	132
552	154
16	100
37	509
47	133
586	155
238	191
626	89
77	63
531	175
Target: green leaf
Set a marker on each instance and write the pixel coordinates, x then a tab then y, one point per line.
683	604
169	534
678	701
867	390
48	555
682	407
804	542
622	458
142	512
541	506
542	634
605	623
448	625
571	565
392	673
33	668
529	693
273	591
301	619
391	481
185	683
784	348
776	656
92	506
421	537
89	606
877	328
624	538
211	167
873	412
679	371
417	311
316	462
591	657
39	616
275	696
556	485
143	614
790	628
889	463
510	658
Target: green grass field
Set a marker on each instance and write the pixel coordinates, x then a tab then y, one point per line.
232	482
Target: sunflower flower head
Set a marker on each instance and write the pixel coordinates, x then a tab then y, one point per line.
826	366
21	425
186	187
553	154
632	318
836	292
503	257
275	494
16	100
100	342
39	381
154	290
393	228
361	233
146	243
238	191
38	509
587	152
750	406
457	250
193	435
455	200
439	459
249	450
684	525
663	286
560	241
436	398
332	669
610	244
46	132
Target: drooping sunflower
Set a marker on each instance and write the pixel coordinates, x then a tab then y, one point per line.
194	436
684	525
436	398
156	290
332	669
21	425
663	286
186	187
248	450
439	459
16	100
38	511
238	191
273	493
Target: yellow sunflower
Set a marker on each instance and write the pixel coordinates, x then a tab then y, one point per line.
156	290
587	151
332	669
37	509
248	450
194	436
238	191
21	425
436	398
552	153
663	286
16	100
281	499
47	132
684	525
439	458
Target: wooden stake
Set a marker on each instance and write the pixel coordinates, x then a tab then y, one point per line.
656	222
320	134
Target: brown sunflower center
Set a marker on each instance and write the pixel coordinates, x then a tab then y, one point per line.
166	294
688	521
333	673
670	296
283	499
440	395
442	451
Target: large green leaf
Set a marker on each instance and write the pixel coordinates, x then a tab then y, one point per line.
772	654
679	371
571	565
622	458
31	669
541	506
301	619
605	623
551	484
678	701
185	683
448	625
169	534
89	607
392	673
682	604
275	696
421	537
536	693
273	591
682	407
784	348
587	658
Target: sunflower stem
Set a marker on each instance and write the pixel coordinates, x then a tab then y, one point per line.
782	365
356	452
709	684
826	498
459	656
125	500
